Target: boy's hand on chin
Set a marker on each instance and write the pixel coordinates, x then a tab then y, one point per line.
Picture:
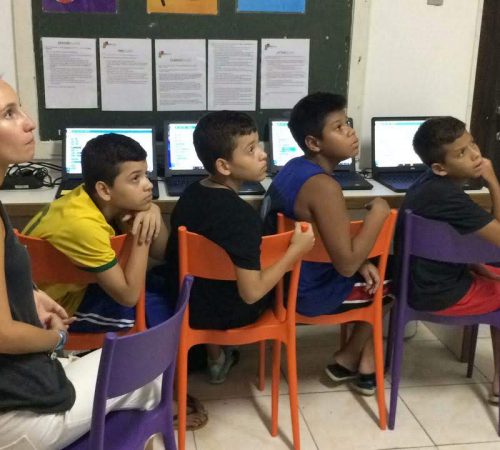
145	225
487	171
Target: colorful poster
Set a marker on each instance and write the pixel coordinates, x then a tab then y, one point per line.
272	6
82	6
209	7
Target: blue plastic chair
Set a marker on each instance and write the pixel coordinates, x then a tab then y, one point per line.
437	241
128	363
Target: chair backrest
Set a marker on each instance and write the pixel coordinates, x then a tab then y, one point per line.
439	241
380	249
200	257
130	362
50	266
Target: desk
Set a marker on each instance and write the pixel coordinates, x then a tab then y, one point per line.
26	203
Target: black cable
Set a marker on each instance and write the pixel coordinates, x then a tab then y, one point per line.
39	170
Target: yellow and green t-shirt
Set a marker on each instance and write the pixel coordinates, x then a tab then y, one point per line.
76	227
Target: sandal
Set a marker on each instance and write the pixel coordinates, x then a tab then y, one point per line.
196	416
493	399
337	372
365	384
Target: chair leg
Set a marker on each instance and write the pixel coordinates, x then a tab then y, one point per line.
293	391
397	359
182	396
261	384
390	340
472	350
378	347
275	386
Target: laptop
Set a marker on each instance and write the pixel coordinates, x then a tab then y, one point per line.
395	163
75	139
182	166
283	148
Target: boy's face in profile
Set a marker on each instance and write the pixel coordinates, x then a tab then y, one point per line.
249	160
338	139
462	159
132	190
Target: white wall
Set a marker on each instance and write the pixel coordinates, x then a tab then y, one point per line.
410	58
7	58
407	58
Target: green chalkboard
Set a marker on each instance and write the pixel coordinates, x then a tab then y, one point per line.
327	23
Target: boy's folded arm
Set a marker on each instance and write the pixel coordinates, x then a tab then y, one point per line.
254	284
328	212
124	285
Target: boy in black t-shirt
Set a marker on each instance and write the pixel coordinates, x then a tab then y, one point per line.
449	150
227	144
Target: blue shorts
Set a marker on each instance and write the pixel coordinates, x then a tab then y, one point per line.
99	313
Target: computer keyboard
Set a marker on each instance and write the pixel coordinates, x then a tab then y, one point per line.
351	181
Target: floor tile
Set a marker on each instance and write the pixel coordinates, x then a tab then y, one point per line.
244	424
423	333
484	357
481	446
343	420
452	414
431	363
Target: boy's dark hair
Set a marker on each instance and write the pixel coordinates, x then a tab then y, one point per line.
102	156
433	134
215	135
309	114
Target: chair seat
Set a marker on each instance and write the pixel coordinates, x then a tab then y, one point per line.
266	327
365	314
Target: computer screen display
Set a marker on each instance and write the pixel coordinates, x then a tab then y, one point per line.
393	142
181	154
284	147
76	138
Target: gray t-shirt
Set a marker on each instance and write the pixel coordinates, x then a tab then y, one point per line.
31	381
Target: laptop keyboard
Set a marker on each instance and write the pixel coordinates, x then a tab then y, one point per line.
351	181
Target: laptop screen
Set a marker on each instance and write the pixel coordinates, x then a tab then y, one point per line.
392	141
76	138
181	155
284	147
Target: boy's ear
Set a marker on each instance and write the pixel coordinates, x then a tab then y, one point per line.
103	191
439	169
312	143
222	166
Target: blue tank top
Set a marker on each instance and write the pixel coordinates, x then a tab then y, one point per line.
321	288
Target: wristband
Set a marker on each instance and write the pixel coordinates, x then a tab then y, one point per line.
63	337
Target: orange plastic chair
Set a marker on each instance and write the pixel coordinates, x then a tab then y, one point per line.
372	313
50	266
200	257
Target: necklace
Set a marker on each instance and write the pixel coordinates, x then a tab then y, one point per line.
221	184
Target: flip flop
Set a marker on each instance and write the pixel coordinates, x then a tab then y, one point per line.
195	409
494	399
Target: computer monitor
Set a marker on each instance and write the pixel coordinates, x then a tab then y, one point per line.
76	138
181	156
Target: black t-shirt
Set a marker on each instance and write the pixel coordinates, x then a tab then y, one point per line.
436	285
221	216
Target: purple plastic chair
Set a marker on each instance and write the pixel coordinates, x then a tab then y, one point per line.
128	363
438	241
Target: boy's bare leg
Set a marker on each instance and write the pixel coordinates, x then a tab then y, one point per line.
351	354
495	340
213	352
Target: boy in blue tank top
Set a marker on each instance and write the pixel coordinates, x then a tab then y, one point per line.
305	190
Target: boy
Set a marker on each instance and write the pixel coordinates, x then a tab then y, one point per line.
116	195
449	150
227	144
305	190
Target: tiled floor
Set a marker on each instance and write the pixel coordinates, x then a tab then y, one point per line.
438	406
